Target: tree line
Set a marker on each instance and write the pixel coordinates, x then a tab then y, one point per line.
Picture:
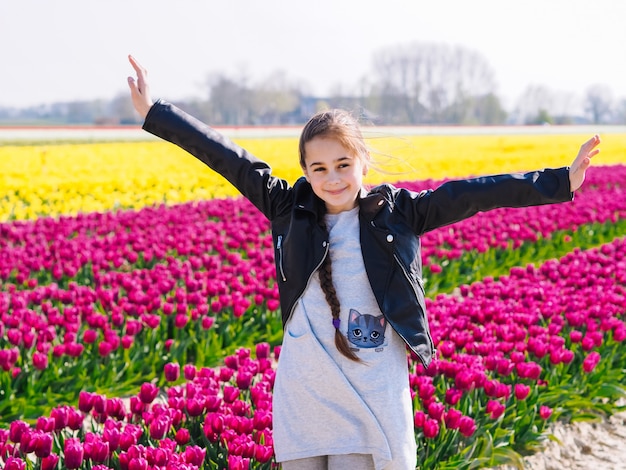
412	84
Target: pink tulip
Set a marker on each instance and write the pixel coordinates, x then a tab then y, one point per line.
195	407
419	419
14	463
50	462
16	429
467	426
495	409
236	462
431	428
182	436
172	371
148	392
521	391
263	453
90	336
207	322
40	361
85	401
73	451
159	427
189	372
138	463
591	361
262	350
273	305
453	418
436	411
104	348
545	412
194	455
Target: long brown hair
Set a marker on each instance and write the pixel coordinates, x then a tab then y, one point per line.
342	126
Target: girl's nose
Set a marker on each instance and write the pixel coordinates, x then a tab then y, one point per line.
333	177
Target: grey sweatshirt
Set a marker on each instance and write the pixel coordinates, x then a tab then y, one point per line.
326	404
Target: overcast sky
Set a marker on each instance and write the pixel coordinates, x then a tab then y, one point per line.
60	50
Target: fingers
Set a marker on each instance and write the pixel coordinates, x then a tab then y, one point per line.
583	161
142	75
590	145
588	150
139	89
139	70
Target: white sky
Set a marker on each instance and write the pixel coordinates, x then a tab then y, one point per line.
59	50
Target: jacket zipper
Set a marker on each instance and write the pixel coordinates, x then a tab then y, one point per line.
308	281
279	247
406	275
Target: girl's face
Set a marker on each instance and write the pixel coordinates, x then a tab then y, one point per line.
335	175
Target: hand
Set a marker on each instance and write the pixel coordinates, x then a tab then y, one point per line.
139	90
582	162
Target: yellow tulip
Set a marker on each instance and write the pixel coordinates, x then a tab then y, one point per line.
66	179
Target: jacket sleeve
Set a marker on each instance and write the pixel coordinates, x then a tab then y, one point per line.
252	177
459	199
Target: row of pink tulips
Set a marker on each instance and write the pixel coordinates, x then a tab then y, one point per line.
60	249
508	351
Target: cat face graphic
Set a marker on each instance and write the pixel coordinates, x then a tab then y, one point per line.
366	331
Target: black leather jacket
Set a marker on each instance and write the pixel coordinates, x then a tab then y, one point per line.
391	219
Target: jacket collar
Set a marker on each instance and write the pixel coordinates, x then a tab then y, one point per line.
370	203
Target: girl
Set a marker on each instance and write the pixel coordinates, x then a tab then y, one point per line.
349	274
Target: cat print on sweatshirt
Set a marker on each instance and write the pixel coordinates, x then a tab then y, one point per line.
366	331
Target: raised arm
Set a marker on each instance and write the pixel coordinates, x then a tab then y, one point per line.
582	161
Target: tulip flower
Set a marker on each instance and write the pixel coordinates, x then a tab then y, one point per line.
14	463
182	436
452	418
494	409
138	463
40	361
73	451
159	427
467	426
545	412
189	371
431	428
172	371
521	391
50	462
148	392
194	455
591	361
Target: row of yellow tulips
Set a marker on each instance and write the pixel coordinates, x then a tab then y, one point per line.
52	180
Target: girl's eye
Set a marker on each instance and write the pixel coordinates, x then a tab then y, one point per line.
319	169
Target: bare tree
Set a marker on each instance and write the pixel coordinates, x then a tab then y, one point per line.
534	105
620	112
229	98
429	82
274	99
598	103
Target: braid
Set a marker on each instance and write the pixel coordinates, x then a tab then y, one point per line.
326	283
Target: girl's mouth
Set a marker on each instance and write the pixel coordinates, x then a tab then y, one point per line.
335	192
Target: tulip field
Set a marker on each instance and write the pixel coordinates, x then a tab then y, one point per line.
140	326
